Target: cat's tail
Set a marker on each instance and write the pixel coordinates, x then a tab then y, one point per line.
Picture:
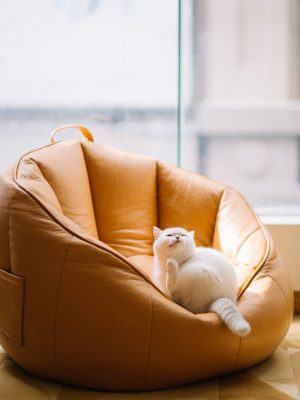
231	315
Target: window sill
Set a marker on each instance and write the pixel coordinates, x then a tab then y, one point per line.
280	219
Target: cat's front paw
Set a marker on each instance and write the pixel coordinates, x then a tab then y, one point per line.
171	265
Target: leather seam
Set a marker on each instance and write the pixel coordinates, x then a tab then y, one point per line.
266	254
9	233
283	294
277	283
157	196
5	202
217	214
38	165
285	298
90	187
244	241
235	361
57	306
21	343
286	302
257	270
267	250
150	340
10	338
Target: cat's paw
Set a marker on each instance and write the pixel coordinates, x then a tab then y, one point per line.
171	265
241	328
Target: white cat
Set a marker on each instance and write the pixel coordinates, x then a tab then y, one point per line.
199	279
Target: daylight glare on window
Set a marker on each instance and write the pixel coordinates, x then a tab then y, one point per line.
108	64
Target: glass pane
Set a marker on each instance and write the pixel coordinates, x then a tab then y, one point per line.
108	64
243	125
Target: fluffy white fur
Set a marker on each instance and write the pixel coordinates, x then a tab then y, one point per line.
199	279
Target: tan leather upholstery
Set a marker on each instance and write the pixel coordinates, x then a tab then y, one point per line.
77	301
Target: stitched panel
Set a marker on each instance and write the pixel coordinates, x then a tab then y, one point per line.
11	310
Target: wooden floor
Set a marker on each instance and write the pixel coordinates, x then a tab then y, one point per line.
276	378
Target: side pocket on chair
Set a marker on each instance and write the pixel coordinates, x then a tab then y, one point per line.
11	306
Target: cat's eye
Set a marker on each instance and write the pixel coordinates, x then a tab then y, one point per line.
176	234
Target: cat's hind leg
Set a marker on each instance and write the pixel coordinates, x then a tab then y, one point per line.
171	276
231	315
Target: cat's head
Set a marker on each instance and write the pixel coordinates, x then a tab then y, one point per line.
175	243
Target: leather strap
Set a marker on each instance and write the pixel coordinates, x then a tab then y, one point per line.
85	132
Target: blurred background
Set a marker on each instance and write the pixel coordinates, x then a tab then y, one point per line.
211	85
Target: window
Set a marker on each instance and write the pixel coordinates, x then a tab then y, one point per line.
108	64
243	124
112	65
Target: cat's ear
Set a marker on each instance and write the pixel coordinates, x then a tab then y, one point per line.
192	233
156	232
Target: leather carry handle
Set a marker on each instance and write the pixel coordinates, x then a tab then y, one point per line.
85	132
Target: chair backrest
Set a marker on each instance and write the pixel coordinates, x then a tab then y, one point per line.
118	197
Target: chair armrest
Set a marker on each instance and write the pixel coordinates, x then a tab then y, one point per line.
241	236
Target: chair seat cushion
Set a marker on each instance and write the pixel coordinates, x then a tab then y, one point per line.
145	263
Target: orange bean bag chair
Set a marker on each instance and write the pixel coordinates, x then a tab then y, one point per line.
77	303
